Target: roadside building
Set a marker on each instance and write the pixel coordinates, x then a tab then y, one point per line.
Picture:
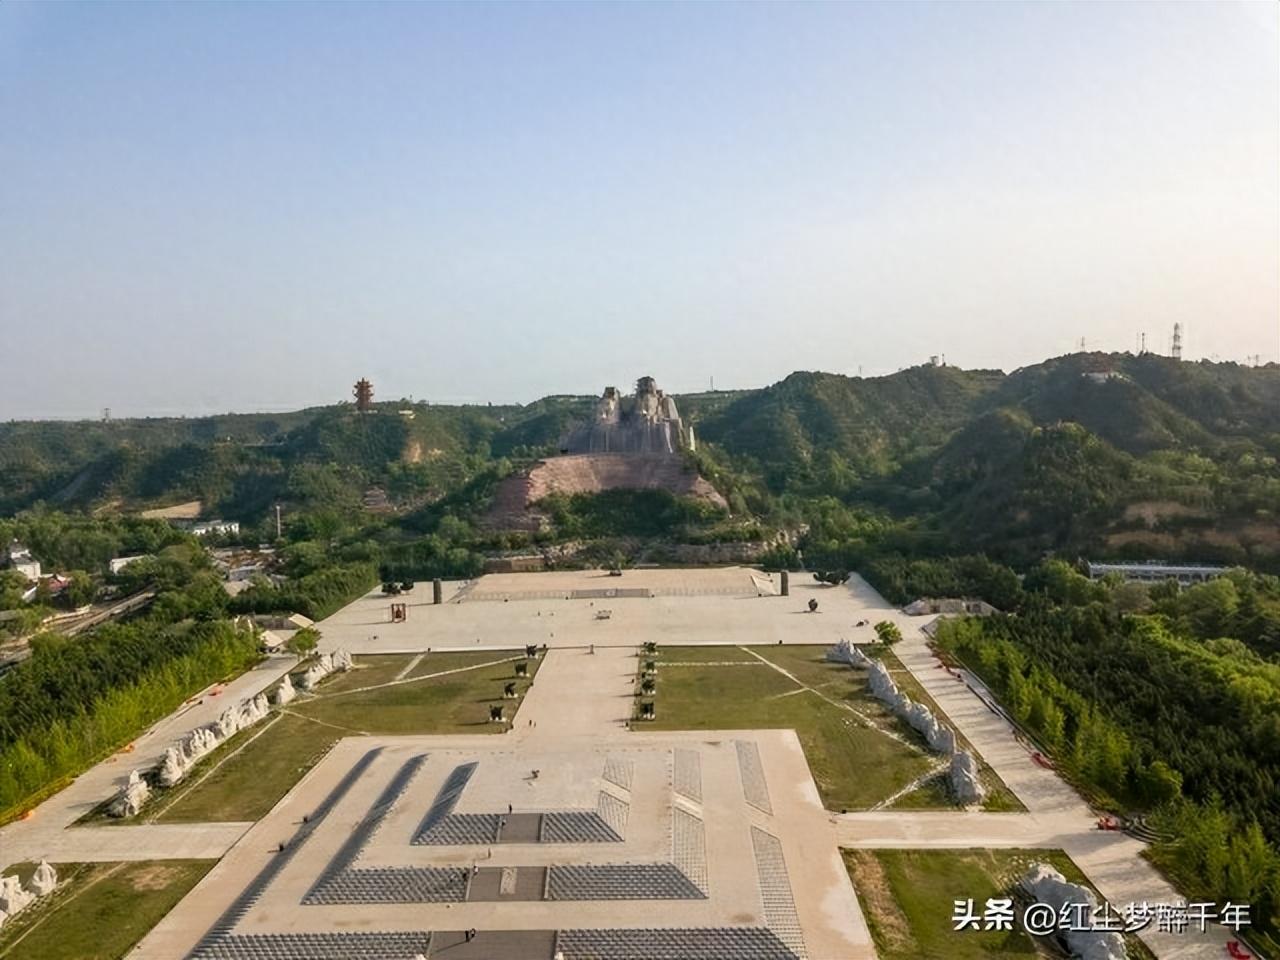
119	563
1155	571
18	558
949	605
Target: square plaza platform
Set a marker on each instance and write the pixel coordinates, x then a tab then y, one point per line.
706	845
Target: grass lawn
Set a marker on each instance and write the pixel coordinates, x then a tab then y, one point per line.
907	897
366	672
454	703
700	655
931	794
853	765
245	785
439	661
99	910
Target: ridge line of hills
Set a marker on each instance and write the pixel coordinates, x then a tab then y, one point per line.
1107	452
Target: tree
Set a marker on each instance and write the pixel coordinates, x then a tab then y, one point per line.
81	589
888	632
1160	783
303	642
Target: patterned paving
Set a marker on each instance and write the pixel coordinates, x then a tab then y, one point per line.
754	787
775	890
702	943
619	771
613	812
446	800
620	881
689	847
461	828
343	881
220	932
576	826
688	774
320	946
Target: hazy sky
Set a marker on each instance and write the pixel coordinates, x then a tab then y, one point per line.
249	206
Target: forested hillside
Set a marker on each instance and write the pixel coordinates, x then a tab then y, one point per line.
1090	454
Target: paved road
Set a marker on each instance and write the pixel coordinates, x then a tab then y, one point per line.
579	693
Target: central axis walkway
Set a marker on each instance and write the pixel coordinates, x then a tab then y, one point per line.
578	692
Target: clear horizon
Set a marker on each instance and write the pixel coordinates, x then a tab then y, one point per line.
241	208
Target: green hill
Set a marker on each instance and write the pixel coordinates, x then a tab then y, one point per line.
1104	453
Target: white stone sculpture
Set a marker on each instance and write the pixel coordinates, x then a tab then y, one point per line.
939	737
132	796
285	693
1047	885
943	739
228	722
966	785
184	754
12	897
846	652
173	767
43	880
327	663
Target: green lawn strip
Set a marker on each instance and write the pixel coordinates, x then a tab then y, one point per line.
454	703
439	661
854	766
100	910
701	654
367	672
930	795
247	785
907	897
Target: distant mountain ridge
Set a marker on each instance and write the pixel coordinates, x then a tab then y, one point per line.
1056	455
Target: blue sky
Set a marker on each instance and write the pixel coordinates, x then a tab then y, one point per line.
249	206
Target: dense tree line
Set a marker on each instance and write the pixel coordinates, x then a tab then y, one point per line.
901	579
1149	714
315	595
65	541
74	702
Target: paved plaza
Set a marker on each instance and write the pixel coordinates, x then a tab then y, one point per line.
573	834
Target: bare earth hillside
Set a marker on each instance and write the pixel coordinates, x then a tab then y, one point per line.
593	473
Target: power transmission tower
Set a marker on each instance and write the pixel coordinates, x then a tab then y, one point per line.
1176	350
